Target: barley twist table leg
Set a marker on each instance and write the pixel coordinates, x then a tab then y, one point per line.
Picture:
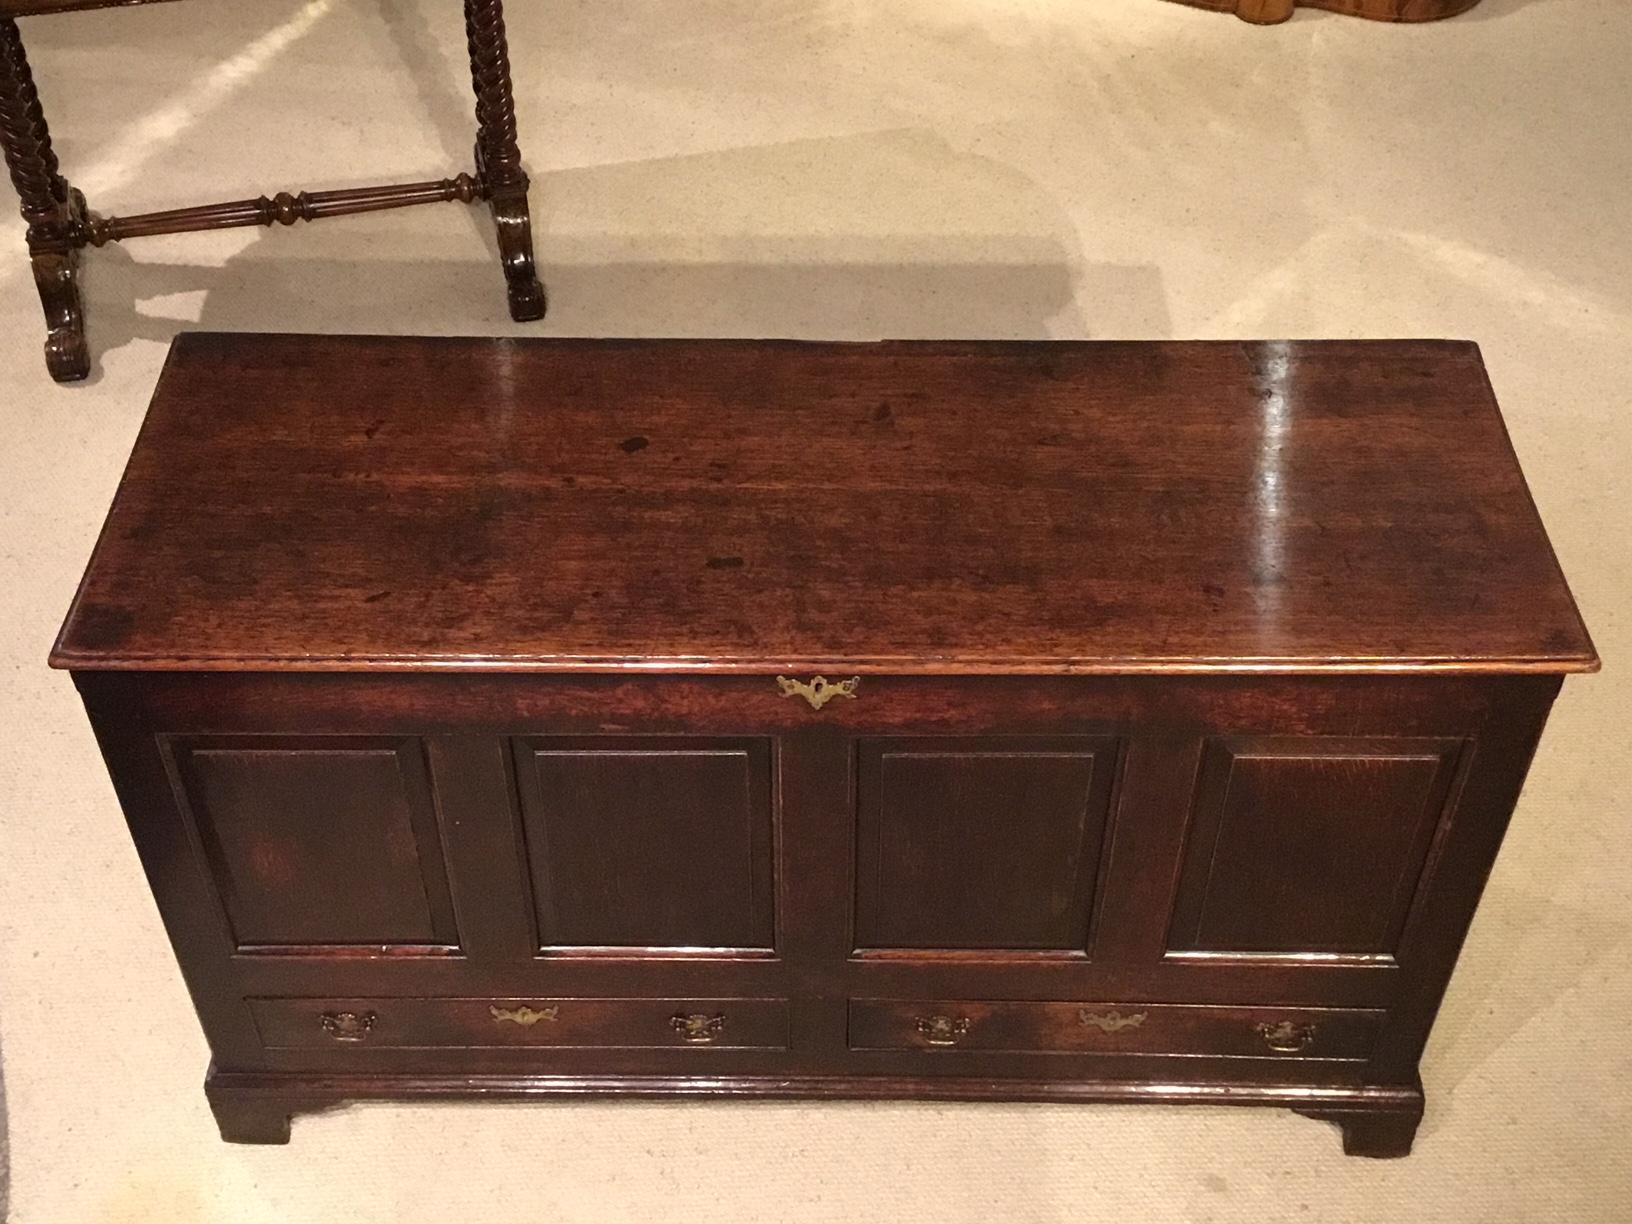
498	159
52	209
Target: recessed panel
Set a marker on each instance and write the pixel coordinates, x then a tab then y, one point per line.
1308	845
648	843
318	840
982	843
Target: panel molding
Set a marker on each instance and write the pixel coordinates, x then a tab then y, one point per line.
1196	902
1066	936
553	933
182	756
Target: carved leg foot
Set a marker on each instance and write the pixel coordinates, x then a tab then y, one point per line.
498	158
1382	1136
515	228
67	355
56	275
53	210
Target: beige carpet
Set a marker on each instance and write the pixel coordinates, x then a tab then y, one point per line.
843	168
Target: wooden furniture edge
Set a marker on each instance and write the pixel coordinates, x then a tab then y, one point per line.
1573	656
74	661
256	1107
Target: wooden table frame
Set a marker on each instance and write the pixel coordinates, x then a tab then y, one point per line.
60	224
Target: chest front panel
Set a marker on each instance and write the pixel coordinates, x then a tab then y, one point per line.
1031	873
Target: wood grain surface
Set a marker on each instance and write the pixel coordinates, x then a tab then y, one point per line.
355	502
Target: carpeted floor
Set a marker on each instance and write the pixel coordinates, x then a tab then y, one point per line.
842	168
5	1154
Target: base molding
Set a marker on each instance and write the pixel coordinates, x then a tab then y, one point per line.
256	1107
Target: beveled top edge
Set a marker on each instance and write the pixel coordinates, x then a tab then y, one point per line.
186	342
69	660
1572	656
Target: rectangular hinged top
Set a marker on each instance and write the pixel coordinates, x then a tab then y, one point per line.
345	503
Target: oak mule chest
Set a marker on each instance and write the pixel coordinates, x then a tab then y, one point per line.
1045	721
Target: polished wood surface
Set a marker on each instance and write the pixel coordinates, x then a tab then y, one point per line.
659	1024
926	842
1270	12
934	1025
1266	810
391	876
284	819
837	508
605	873
277	1013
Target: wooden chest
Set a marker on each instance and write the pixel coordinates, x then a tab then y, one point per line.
1053	721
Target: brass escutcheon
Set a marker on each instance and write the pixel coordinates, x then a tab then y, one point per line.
942	1030
697	1028
1111	1021
524	1016
819	690
1285	1036
347	1026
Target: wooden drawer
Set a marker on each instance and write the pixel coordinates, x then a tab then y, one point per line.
733	1024
1120	1028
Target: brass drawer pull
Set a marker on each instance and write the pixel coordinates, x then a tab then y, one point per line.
697	1028
1111	1021
1285	1037
524	1016
347	1026
942	1030
819	690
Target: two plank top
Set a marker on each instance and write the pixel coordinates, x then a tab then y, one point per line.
353	503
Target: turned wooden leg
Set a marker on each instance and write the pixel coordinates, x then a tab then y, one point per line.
53	210
498	158
1380	1135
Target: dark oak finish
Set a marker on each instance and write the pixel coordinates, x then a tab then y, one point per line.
952	1026
635	1024
1270	12
839	508
645	842
983	844
1268	812
60	224
314	841
1150	763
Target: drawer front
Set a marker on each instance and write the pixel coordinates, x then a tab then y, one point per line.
330	1023
1113	1028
